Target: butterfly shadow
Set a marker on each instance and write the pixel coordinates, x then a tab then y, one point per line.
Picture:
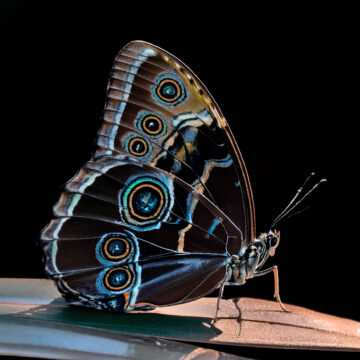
178	327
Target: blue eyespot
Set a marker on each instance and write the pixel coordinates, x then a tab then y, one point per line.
117	248
137	146
118	252
151	124
145	202
118	279
168	90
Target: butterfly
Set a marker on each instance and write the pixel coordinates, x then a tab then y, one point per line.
163	213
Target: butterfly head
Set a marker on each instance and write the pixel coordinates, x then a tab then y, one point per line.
272	240
266	245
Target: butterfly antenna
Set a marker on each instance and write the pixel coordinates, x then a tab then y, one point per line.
301	200
300	211
278	218
292	204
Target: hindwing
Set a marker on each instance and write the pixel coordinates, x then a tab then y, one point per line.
119	228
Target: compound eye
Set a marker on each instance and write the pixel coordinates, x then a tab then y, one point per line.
273	241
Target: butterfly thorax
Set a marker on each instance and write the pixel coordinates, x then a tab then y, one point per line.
245	266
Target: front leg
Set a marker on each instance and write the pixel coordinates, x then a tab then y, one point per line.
274	270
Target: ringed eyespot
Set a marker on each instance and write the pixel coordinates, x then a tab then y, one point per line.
117	279
116	248
168	90
138	146
152	125
144	202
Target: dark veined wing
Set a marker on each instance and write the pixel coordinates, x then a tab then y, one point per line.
153	218
145	284
117	237
159	112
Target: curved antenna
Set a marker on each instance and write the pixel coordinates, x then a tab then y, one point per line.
292	204
277	219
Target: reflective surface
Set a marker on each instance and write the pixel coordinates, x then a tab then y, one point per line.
245	322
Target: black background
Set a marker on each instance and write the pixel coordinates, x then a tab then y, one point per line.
284	74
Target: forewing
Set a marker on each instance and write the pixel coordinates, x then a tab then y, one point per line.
159	112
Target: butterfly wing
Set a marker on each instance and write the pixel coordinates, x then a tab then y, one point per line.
152	219
158	111
117	235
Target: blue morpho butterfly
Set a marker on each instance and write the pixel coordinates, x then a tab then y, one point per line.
163	213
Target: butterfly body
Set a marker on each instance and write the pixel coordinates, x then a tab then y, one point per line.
163	212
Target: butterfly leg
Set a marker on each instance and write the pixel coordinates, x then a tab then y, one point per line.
274	270
221	291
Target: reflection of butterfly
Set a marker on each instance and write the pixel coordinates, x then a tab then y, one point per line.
163	213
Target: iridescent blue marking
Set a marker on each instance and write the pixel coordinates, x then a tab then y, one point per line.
214	224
